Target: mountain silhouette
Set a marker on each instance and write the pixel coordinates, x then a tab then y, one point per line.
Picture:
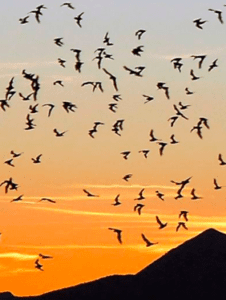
194	270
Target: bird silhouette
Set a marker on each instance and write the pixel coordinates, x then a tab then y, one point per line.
113	107
14	186
145	152
139	33
77	53
68	106
162	146
38	265
148	243
28	76
137	50
62	62
94	129
99	59
194	197
50	109
99	85
161	86
24	20
198	129
193	77
42	6
177	65
14	154
60	82
182	184
199	22
219	13
4	103
107	40
45	256
9	184
35	85
10	90
125	154
108	56
88	82
127	177
134	72
79	19
153	138
9	162
179	195
89	194
117	201
183	106
138	208
161	225
118	126
176	59
141	196
222	162
203	121
173	141
117	97
216	185
181	224
184	214
160	195
68	4
37	159
113	78
37	13
25	98
19	198
188	92
213	65
148	98
58	42
59	134
33	109
48	200
179	113
78	66
201	59
118	232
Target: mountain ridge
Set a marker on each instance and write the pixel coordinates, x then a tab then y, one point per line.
195	269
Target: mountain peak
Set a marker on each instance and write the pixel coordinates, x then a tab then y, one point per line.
6	296
194	270
205	248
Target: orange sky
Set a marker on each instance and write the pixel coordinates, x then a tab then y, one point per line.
74	230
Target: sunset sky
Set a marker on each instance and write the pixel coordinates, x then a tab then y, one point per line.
74	230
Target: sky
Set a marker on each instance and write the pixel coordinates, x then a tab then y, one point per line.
74	230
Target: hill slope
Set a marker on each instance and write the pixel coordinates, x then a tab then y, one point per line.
194	270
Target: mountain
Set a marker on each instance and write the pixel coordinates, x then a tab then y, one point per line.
194	270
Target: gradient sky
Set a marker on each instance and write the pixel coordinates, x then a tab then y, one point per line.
75	229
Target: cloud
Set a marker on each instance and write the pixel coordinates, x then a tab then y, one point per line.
124	186
89	213
18	256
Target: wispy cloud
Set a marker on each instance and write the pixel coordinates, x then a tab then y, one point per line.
18	256
115	186
21	270
68	247
88	213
